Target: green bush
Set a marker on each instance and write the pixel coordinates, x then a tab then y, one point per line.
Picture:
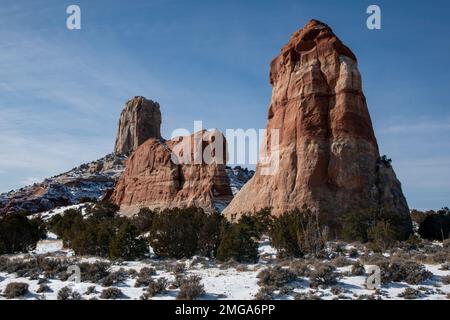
382	236
362	225
143	221
436	226
237	243
181	233
102	233
298	233
257	223
127	243
19	234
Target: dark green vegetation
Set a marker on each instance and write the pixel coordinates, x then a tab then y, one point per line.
103	233
99	230
19	234
435	225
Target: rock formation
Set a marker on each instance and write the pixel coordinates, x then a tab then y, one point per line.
88	181
329	160
159	175
158	183
139	121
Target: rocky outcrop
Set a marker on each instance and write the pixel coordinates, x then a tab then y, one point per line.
165	174
327	159
139	121
88	181
238	177
206	185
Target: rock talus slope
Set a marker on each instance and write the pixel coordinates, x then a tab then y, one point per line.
329	160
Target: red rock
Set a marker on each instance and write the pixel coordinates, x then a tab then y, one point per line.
140	120
328	153
156	177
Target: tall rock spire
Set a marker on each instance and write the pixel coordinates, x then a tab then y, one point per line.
328	154
139	121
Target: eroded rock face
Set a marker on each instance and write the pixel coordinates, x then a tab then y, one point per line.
140	120
159	175
328	153
88	181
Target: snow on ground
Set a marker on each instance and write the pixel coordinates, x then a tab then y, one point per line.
221	281
47	215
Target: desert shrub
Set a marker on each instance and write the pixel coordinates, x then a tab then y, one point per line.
407	271
143	221
298	233
300	268
237	243
436	226
29	267
362	225
179	278
94	272
191	288
358	269
176	268
145	277
111	293
155	287
90	290
183	232
337	248
412	243
446	279
275	276
15	290
323	275
114	278
127	244
66	293
381	236
264	293
19	234
341	261
410	294
43	288
307	296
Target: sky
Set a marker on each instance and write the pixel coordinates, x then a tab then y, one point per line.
62	91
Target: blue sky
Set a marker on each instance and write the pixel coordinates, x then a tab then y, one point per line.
61	91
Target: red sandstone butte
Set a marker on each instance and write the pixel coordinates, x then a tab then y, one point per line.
329	160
